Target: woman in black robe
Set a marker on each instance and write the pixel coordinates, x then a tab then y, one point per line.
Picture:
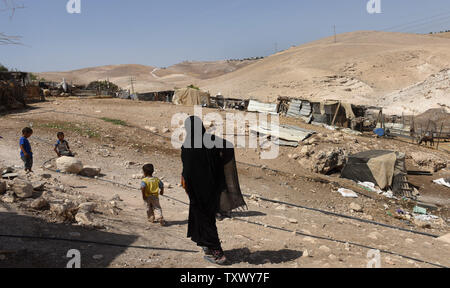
204	179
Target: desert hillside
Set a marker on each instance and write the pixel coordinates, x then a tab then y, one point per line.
148	78
442	35
401	72
361	67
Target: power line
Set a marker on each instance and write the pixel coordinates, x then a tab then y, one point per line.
414	21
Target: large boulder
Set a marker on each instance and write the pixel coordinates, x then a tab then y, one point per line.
69	165
330	160
22	188
90	171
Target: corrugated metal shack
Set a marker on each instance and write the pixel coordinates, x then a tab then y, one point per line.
328	112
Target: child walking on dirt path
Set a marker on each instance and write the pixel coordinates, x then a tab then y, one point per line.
26	154
62	146
151	187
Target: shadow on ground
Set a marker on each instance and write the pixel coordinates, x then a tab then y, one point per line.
248	214
242	255
31	252
176	223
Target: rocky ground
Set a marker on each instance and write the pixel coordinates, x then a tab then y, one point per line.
81	211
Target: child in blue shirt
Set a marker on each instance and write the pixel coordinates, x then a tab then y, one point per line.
25	149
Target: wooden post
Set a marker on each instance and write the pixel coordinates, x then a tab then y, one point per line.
335	114
440	135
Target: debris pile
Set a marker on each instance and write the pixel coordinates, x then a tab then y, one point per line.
52	200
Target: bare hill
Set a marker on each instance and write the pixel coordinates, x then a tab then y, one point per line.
442	35
431	93
361	67
149	78
204	70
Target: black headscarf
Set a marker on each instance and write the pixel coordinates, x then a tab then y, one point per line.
202	169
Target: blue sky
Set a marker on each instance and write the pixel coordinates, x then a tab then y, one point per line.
162	33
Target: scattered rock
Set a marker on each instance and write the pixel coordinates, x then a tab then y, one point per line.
69	165
429	160
422	224
116	197
8	198
22	188
325	249
46	176
38	186
90	171
356	207
306	150
166	130
152	129
84	219
59	209
409	241
307	253
293	221
309	239
332	257
39	204
330	160
87	207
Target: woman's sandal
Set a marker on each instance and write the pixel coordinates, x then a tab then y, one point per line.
217	257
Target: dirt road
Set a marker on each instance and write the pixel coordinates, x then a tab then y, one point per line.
115	148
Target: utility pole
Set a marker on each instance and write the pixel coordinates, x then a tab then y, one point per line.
276	47
132	81
335	39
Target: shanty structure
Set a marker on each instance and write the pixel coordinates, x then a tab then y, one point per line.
386	169
191	96
16	90
328	112
162	96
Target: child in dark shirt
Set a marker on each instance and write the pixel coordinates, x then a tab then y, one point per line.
26	154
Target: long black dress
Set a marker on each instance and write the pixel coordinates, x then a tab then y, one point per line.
205	180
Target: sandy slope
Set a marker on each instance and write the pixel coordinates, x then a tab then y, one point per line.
360	66
432	92
148	78
363	67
